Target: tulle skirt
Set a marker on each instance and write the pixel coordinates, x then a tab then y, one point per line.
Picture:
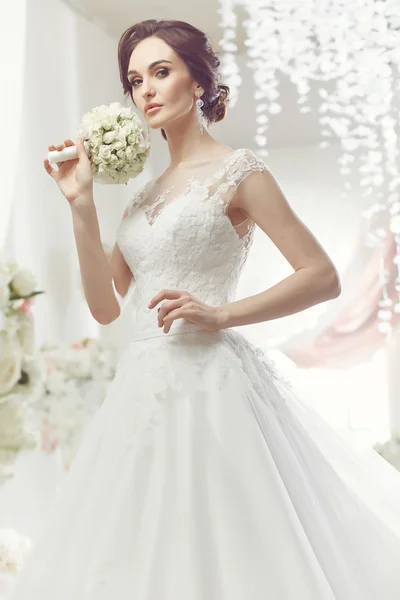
204	477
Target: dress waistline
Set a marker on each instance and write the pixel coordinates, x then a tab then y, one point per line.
153	330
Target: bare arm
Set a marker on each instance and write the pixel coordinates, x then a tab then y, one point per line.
75	180
96	270
315	278
122	274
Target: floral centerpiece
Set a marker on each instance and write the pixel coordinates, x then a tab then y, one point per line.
14	549
390	450
77	380
21	370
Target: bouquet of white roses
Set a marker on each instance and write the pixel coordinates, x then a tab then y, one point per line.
115	141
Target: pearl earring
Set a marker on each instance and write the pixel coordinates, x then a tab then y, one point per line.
199	112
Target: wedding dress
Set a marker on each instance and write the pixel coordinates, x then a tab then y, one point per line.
203	476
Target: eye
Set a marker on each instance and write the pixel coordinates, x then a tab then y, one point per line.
133	81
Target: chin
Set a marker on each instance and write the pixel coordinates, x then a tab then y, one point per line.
154	124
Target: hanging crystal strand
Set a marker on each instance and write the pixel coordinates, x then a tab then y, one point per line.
199	104
396	261
385	304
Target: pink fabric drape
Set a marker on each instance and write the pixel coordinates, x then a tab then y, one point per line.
353	336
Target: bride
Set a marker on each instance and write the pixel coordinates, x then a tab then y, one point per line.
203	476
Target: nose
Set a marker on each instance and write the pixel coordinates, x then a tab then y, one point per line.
147	93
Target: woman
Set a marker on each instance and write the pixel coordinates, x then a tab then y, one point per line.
203	476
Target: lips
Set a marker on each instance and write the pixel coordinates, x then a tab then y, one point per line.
153	107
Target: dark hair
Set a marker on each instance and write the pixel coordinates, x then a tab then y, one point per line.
194	48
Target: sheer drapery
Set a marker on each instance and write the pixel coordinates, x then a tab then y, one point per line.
12	36
353	335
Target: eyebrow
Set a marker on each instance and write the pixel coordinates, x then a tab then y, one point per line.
151	66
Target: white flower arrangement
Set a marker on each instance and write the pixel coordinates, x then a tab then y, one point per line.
21	370
16	433
14	549
115	141
390	451
47	396
78	376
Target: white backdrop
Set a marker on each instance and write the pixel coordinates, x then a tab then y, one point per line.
12	35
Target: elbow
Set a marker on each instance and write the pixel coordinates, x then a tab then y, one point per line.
105	318
333	284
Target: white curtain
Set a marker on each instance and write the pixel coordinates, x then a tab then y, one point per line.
13	52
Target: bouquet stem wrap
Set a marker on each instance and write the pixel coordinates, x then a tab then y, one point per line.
68	153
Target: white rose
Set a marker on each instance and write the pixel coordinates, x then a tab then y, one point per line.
132	138
3	321
24	282
114	159
115	109
108	122
105	153
142	146
4	292
35	368
55	382
8	269
130	154
14	550
78	366
126	129
109	137
96	141
26	333
5	273
86	126
120	143
10	365
12	325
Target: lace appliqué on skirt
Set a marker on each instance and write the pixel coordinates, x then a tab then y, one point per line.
254	364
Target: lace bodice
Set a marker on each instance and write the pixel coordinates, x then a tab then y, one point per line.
178	235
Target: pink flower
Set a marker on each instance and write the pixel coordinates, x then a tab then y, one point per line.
78	345
26	306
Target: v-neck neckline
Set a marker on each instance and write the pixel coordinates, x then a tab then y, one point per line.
191	181
219	161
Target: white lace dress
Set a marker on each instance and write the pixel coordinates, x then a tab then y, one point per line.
203	476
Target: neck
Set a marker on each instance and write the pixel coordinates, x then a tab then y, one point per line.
186	144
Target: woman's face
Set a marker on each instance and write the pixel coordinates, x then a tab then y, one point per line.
167	83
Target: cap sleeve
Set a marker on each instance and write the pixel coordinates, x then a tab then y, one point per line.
227	181
231	176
